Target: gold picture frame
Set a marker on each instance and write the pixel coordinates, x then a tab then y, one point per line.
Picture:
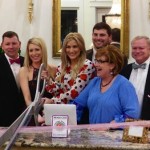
125	11
56	28
144	139
135	139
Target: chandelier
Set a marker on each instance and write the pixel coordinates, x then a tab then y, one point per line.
113	18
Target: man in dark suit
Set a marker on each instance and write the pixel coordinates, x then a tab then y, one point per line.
101	36
139	73
11	99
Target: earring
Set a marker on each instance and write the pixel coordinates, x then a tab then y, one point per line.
111	72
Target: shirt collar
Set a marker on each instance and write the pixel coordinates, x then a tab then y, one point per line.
8	58
115	43
147	62
94	51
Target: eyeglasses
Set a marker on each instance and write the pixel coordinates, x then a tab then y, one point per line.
99	61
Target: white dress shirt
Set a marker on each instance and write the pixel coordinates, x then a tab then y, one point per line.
138	79
94	52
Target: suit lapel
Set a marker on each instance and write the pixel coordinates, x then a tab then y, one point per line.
146	99
7	67
126	72
8	71
21	60
89	54
147	85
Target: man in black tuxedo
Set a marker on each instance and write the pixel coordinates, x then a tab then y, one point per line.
101	36
11	98
139	73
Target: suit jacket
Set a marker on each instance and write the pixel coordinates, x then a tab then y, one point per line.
11	98
145	113
89	54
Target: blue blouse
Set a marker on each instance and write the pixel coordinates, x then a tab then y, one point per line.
120	99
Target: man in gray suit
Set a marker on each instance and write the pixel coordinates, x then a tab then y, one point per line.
101	36
11	99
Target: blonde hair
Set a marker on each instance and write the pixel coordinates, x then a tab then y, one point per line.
39	42
141	37
66	60
113	55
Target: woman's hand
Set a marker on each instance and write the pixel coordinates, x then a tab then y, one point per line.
113	121
48	101
45	75
41	119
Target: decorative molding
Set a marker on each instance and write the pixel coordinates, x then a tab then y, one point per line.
30	10
100	3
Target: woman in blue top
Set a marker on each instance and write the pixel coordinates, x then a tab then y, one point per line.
109	96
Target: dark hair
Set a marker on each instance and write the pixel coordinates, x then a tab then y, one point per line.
113	55
116	34
9	34
102	25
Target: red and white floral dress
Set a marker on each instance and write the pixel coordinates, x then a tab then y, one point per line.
70	88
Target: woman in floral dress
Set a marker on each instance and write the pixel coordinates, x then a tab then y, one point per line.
74	72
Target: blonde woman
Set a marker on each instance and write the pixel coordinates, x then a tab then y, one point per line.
36	53
74	72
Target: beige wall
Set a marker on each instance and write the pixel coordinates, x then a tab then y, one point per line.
139	19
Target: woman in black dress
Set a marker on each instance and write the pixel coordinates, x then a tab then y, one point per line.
36	54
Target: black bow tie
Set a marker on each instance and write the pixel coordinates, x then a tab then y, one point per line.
136	66
14	61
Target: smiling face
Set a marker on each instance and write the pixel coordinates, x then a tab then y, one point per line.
11	46
72	50
35	53
100	38
103	67
140	50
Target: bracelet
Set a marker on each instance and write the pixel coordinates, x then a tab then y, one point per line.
120	118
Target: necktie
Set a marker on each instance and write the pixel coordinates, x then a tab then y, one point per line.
14	61
136	66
